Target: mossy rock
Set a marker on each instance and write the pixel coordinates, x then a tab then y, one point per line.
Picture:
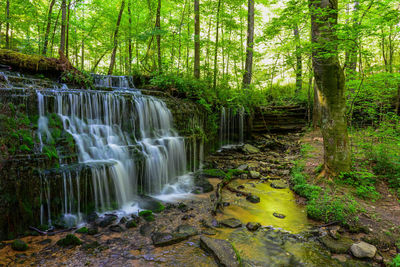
19	245
131	224
149	203
147	215
340	246
83	230
69	240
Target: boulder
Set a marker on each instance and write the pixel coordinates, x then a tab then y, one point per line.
247	148
231	223
363	250
222	251
253	198
254	175
251	226
131	224
69	240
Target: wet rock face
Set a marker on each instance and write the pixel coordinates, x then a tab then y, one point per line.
107	220
279	184
249	149
221	250
279	215
363	250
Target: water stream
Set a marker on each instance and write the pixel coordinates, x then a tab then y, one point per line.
232	126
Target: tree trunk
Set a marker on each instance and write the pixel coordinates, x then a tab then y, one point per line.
8	24
352	63
216	47
248	71
46	36
299	63
330	80
54	32
158	37
63	25
114	52
197	39
130	38
316	108
67	29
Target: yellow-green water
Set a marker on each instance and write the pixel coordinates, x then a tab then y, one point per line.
272	200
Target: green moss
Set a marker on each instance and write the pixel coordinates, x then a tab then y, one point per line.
131	224
83	230
145	213
214	173
19	245
69	240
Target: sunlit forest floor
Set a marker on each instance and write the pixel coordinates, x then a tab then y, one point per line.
364	200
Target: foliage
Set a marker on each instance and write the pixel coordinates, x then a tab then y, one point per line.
396	261
322	204
69	240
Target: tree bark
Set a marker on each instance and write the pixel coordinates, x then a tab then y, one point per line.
67	29
216	47
63	25
46	36
114	52
8	24
299	63
330	80
248	71
197	39
158	37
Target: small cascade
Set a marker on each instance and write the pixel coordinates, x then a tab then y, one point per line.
116	82
232	126
126	147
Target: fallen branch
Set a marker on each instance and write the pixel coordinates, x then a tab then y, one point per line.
51	233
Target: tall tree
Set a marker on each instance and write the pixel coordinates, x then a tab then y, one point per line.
216	46
114	52
158	37
46	36
8	24
248	71
130	37
299	62
63	25
197	39
330	82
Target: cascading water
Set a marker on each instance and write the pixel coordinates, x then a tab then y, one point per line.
232	126
124	138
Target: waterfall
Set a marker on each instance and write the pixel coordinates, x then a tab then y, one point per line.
231	126
125	139
112	81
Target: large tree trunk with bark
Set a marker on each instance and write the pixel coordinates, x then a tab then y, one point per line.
330	80
248	71
63	25
114	52
130	37
197	39
46	35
